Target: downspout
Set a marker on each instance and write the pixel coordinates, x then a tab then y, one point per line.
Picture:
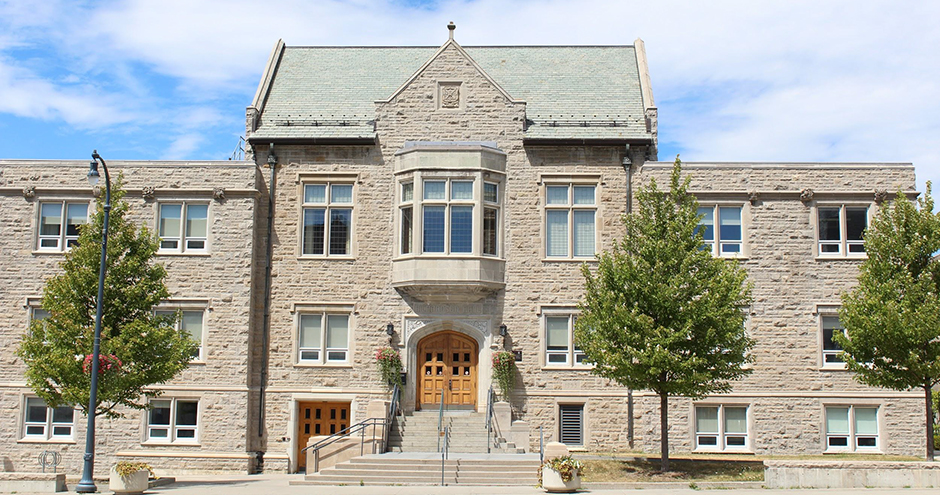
266	324
628	171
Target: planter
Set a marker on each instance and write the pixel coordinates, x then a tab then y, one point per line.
552	482
133	483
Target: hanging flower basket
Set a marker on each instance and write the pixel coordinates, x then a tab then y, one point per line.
106	362
389	363
504	371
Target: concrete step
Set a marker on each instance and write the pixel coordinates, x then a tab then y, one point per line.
425	469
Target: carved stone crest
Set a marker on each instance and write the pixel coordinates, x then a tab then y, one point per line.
29	192
148	192
881	195
806	195
96	191
753	196
450	96
218	193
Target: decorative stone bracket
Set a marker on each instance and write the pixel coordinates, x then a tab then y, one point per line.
806	195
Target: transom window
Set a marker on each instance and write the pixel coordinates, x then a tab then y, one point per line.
851	428
192	322
721	427
327	219
46	423
560	349
59	224
727	238
183	227
173	420
570	227
323	338
841	230
831	349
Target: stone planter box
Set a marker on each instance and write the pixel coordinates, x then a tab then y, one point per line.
133	483
552	482
851	474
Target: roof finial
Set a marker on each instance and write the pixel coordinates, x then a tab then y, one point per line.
450	28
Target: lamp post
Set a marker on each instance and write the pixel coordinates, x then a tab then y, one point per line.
87	483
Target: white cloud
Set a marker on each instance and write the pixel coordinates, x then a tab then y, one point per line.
183	146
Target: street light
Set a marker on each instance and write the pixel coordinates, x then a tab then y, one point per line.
87	483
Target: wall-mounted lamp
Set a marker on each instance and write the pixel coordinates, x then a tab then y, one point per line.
390	329
503	330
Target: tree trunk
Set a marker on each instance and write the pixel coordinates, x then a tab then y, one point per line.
664	429
927	392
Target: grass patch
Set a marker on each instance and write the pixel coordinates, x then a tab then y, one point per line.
647	470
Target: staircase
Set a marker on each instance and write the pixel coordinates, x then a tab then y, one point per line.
425	469
418	433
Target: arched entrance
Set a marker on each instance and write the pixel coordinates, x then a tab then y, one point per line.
447	368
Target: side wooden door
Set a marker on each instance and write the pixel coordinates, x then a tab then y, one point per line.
316	419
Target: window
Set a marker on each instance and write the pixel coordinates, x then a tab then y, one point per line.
173	420
841	230
560	349
407	217
830	348
490	218
852	428
191	321
327	220
571	424
46	423
447	212
323	338
721	427
59	224
183	227
727	239
570	212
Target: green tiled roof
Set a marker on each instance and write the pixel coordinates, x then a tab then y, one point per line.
571	92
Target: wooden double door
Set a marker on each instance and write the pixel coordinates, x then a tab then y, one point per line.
319	418
447	369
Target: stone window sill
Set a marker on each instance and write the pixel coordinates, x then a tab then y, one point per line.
60	441
153	443
326	258
197	254
570	260
323	365
567	368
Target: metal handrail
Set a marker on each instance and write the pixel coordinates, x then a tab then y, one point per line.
440	421
344	433
394	408
541	444
445	452
489	417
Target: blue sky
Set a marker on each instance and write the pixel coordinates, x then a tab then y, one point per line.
733	80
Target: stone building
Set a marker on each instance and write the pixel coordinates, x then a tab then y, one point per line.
442	201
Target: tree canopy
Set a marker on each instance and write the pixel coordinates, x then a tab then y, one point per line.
138	348
660	312
892	318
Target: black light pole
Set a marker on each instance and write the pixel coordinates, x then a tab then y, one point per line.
87	483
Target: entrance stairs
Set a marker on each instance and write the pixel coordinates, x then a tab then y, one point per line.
418	433
425	469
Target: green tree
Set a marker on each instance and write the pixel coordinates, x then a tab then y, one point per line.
138	348
661	313
892	318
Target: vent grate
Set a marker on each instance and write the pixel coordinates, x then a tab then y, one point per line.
572	424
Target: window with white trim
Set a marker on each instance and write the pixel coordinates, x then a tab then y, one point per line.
327	219
191	321
852	428
406	209
728	238
570	220
571	424
447	216
183	227
47	423
59	224
322	338
560	348
721	427
173	420
841	229
831	350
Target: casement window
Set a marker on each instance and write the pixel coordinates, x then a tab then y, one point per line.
450	216
571	424
831	349
721	228
192	322
560	349
721	427
173	420
46	423
183	227
852	428
327	219
570	220
841	229
323	338
59	223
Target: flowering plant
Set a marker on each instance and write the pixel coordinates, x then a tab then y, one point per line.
389	362
126	468
565	466
504	370
106	362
